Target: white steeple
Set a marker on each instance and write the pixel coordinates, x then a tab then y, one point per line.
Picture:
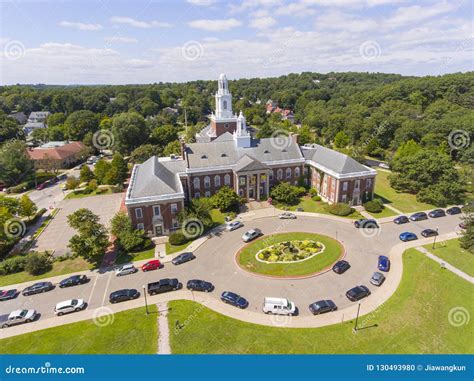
223	99
242	136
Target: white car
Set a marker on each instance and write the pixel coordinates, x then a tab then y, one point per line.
19	317
287	216
68	306
251	234
384	165
125	270
233	225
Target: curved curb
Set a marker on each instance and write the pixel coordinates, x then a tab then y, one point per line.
291	277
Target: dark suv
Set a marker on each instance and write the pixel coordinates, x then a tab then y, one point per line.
38	288
357	293
420	216
73	281
366	224
164	285
341	267
123	295
437	213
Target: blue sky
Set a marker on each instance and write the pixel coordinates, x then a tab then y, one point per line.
119	42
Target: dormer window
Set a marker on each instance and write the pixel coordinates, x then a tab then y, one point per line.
266	151
224	155
204	157
283	150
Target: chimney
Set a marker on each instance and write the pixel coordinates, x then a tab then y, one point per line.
183	148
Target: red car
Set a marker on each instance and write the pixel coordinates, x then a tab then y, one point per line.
152	265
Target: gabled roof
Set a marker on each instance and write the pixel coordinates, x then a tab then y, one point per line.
225	137
58	153
247	163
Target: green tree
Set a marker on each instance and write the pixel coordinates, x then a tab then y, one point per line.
226	200
164	135
27	207
72	182
128	238
285	193
15	164
37	264
172	148
101	171
341	140
407	149
86	174
56	119
129	130
80	123
120	168
144	152
467	238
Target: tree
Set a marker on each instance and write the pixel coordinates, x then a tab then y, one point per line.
91	240
341	140
226	200
285	193
198	209
15	164
120	168
127	237
407	149
172	148
467	239
144	152
37	264
56	119
129	130
79	123
27	207
101	171
9	128
72	182
86	174
163	135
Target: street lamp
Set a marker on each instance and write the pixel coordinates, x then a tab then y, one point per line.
357	319
434	241
146	302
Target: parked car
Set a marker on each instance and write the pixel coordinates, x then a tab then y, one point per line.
341	267
366	224
384	165
377	279
233	225
41	186
437	213
251	234
420	216
429	233
37	288
407	236
287	216
453	210
463	225
125	270
123	295
322	307
199	285
68	306
154	264
279	306
73	281
234	299
357	293
183	258
401	220
8	294
163	285
19	317
384	263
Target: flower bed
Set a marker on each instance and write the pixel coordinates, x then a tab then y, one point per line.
290	251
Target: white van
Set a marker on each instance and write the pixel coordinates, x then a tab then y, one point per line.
278	306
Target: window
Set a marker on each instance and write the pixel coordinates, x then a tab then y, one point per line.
227	179
175	223
197	182
271	175
242	180
138	213
280	174
225	106
305	170
288	173
368	183
207	182
357	184
174	208
333	184
344	186
241	193
217	181
207	194
156	210
140	226
197	195
297	172
344	198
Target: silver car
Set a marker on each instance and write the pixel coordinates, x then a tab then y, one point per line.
20	317
377	279
251	234
125	270
287	216
233	225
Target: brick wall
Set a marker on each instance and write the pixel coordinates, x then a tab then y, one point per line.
147	215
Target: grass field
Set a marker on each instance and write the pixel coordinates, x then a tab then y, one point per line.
386	212
137	256
80	194
130	332
308	205
67	266
333	250
404	202
451	252
416	319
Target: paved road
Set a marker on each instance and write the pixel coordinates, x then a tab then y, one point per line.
215	263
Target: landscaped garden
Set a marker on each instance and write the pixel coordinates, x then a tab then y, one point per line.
454	254
290	254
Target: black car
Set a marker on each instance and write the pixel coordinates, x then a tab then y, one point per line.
453	210
357	293
8	294
199	285
419	216
123	295
73	281
429	233
182	258
341	267
437	213
366	224
38	288
234	299
401	220
164	285
322	306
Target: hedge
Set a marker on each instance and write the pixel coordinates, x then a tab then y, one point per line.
340	209
177	238
374	206
13	265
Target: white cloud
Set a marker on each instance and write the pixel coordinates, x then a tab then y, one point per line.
202	3
416	13
215	25
80	25
139	24
336	20
121	40
263	22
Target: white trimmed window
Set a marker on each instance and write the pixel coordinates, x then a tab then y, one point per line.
242	180
357	184
197	195
174	208
344	198
217	181
197	182
139	213
175	223
279	174
207	194
227	179
140	226
271	175
305	170
344	185
156	210
368	183
207	182
288	173
297	172
333	184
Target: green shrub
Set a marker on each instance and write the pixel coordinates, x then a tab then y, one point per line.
313	192
340	209
316	198
38	214
374	206
177	238
12	265
37	264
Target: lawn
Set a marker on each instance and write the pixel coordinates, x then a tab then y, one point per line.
171	249
404	202
333	250
308	205
130	332
136	256
80	194
414	320
386	212
451	252
67	266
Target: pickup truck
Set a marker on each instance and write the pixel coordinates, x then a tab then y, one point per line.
163	285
